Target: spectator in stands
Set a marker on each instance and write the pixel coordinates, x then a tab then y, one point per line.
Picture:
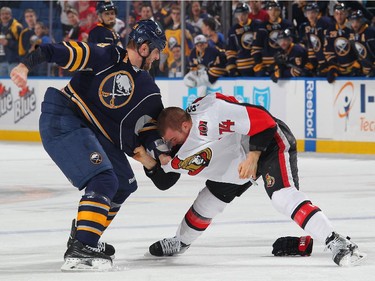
240	42
175	70
84	8
362	39
75	33
265	46
291	60
312	35
206	64
40	37
257	12
146	14
173	34
161	14
103	32
24	43
65	23
195	17
10	30
340	56
209	30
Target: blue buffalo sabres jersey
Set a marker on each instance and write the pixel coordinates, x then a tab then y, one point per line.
102	34
212	58
119	100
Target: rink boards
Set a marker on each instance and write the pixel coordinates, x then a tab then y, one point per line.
338	117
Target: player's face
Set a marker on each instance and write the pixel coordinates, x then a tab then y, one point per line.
284	43
201	47
340	17
356	24
274	13
242	17
311	16
155	55
108	18
176	137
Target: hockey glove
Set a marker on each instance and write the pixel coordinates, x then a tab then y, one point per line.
158	147
293	246
331	75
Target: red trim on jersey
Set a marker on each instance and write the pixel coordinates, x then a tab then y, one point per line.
226	98
260	120
304	213
196	221
282	161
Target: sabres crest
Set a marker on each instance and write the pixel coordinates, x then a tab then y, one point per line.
117	89
195	163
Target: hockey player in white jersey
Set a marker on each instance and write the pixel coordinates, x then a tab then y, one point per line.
231	145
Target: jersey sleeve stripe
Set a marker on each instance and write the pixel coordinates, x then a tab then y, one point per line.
79	55
70	56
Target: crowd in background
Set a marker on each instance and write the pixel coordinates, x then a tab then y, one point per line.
276	39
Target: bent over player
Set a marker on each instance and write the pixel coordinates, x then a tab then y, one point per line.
252	143
89	128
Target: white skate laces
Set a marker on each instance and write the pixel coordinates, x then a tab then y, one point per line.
344	251
168	247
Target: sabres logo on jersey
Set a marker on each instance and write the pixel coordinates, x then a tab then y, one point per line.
273	39
116	90
361	50
247	40
315	42
195	163
96	158
342	46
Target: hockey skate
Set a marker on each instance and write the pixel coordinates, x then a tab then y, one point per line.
344	251
81	257
105	248
168	247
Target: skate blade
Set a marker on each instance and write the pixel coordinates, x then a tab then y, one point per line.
77	265
353	260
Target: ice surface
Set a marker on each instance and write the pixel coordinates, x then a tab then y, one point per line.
38	204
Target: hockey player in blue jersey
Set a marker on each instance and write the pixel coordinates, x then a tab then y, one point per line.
291	61
90	127
362	40
103	32
206	64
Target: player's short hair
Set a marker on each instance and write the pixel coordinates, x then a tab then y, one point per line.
172	118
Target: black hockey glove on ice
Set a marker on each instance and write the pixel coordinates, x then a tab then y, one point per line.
293	246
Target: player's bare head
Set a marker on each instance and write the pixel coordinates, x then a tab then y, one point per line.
172	118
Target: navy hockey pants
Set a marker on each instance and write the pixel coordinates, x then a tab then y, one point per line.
77	150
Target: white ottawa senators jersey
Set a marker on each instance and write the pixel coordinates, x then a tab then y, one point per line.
218	140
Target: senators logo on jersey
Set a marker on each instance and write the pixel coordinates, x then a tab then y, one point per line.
195	163
116	89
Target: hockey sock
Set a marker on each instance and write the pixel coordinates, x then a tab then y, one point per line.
92	218
112	213
205	207
294	203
